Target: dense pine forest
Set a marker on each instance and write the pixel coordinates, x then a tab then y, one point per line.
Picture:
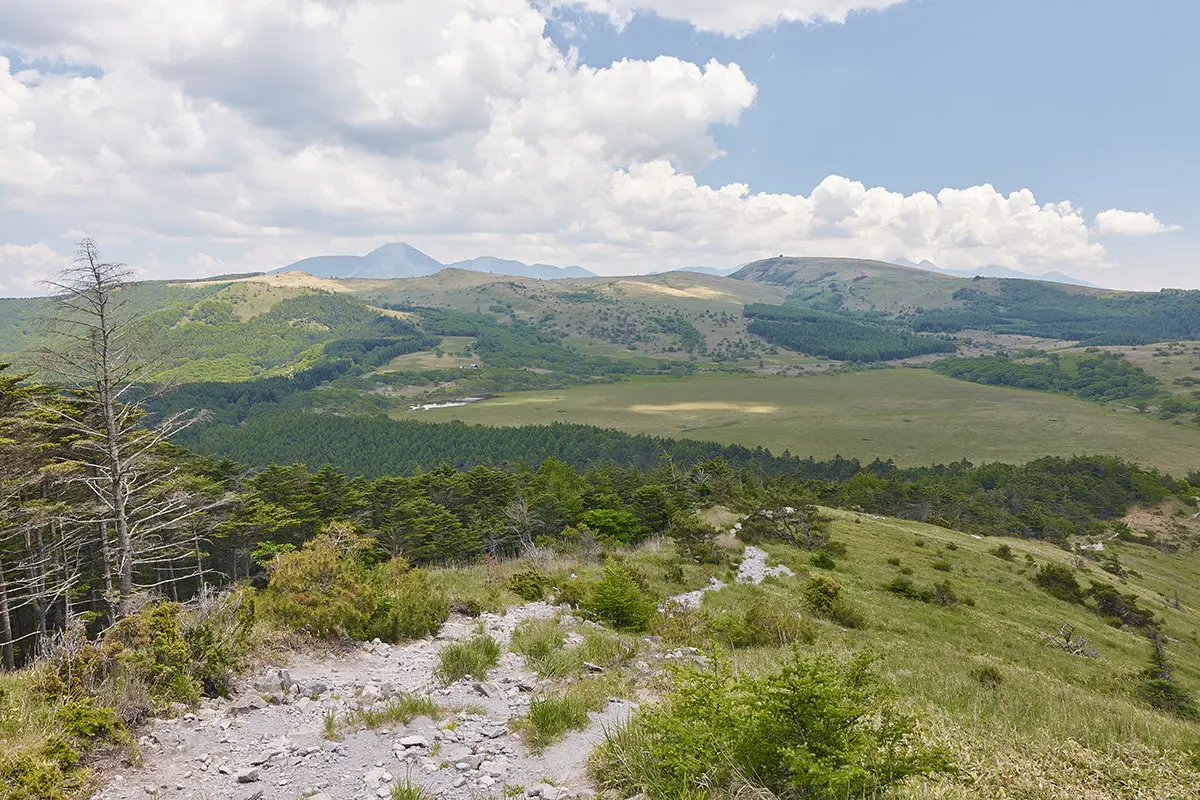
839	337
1038	309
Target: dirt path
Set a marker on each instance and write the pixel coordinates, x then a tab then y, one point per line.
248	749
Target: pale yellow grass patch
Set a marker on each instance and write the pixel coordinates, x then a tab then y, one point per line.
670	408
285	280
696	292
388	312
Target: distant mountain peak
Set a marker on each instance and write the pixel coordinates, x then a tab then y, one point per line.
992	271
402	260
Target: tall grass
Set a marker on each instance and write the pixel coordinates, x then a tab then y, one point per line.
476	657
401	709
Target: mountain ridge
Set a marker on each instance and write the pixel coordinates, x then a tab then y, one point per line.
399	260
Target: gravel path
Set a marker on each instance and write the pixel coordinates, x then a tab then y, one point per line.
753	569
268	744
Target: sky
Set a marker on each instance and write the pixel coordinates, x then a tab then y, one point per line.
624	136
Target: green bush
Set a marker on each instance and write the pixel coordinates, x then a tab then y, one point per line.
822	560
529	585
763	619
321	589
1059	581
1003	552
85	720
820	593
408	605
811	728
217	634
153	650
618	600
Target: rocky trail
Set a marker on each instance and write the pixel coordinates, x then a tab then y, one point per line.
269	743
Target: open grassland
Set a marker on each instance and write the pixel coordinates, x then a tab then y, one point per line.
914	416
1022	719
1169	362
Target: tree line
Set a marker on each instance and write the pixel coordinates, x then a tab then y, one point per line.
820	333
1033	308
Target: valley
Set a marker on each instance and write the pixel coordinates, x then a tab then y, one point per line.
913	416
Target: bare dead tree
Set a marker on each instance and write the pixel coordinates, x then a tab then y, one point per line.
115	455
1067	638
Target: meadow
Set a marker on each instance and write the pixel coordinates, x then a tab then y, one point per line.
911	415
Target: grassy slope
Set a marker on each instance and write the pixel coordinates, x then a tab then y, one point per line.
914	416
864	285
1047	699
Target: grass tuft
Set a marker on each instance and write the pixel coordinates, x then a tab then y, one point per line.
476	658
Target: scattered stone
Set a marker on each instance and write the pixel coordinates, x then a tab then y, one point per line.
247	775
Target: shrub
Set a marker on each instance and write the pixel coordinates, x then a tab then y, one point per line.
321	589
614	525
475	657
987	676
944	595
696	538
217	634
83	719
811	728
407	604
820	593
529	585
1060	582
618	600
154	650
941	566
1123	607
903	586
822	560
895	562
1003	552
573	593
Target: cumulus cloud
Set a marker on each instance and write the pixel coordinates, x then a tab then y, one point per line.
268	130
1115	222
729	17
24	268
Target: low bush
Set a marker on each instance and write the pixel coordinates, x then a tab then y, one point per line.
1059	581
321	589
822	560
810	728
820	593
475	657
763	619
618	600
987	676
529	585
407	604
1003	552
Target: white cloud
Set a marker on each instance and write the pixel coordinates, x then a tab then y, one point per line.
1115	222
268	130
729	17
23	268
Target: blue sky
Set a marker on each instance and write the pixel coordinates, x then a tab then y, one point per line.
237	139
